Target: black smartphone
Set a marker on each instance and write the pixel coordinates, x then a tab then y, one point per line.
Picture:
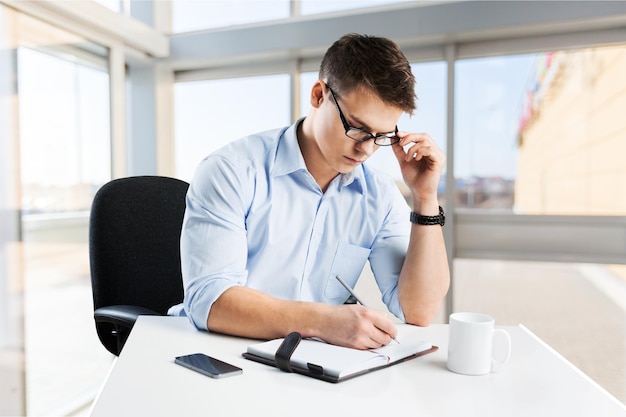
208	366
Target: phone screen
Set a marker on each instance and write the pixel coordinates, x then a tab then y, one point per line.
208	366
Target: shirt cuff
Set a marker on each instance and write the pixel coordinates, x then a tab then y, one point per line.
199	300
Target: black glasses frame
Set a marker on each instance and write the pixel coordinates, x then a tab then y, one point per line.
380	140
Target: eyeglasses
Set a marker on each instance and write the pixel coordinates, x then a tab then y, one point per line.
360	135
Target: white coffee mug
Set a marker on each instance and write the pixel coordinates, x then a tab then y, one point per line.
470	346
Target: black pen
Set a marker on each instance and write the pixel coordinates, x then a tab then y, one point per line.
351	291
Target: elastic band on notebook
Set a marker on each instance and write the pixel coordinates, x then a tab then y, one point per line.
285	350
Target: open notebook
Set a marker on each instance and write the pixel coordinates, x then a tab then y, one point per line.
335	363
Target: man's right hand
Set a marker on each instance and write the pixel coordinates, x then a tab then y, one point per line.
357	327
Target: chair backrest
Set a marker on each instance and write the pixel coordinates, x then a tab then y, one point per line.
134	242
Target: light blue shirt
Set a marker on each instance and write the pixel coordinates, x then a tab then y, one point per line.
256	217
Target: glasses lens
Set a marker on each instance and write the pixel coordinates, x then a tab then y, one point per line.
361	136
386	140
357	134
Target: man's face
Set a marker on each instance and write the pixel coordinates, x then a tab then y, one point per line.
361	109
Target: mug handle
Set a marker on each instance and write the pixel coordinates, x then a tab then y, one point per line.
508	346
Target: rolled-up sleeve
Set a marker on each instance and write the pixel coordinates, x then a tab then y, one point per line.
213	236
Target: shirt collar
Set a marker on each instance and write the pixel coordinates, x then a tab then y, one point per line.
288	155
289	159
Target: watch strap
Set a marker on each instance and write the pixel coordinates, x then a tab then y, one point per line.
420	219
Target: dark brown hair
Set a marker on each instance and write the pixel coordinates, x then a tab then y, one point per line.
372	63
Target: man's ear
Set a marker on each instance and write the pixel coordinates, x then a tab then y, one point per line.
317	94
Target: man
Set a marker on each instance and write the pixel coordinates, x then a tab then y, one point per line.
272	219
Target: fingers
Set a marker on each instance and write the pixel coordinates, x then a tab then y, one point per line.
421	145
382	323
398	151
359	327
380	330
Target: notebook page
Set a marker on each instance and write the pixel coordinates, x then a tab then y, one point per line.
407	347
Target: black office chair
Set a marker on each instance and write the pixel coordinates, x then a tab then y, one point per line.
134	253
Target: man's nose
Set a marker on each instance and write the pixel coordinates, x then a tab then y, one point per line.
367	147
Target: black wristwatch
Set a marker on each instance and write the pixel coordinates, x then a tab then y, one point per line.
440	219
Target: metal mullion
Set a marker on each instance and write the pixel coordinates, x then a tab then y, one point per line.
449	230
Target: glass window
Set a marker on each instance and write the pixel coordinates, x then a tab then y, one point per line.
543	133
578	309
197	15
209	114
64	157
12	371
64	132
487	109
317	6
307	79
191	15
572	134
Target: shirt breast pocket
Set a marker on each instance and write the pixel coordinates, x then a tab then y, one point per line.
348	263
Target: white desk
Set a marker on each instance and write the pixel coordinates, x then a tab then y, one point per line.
145	381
